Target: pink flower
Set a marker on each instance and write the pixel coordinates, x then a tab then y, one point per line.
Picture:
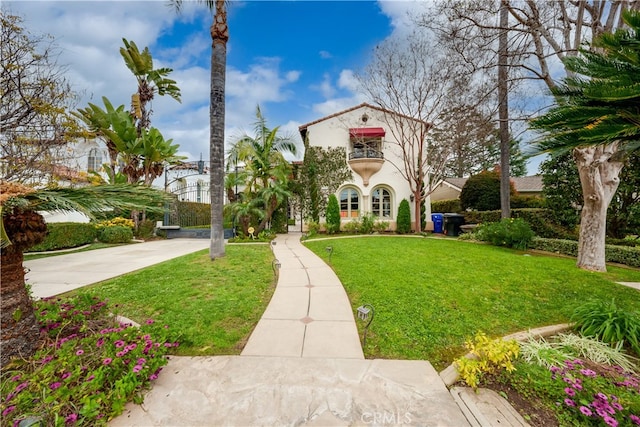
569	402
119	343
8	410
90	378
66	375
55	385
79	352
588	373
149	322
611	421
71	418
107	361
570	392
635	419
586	411
137	368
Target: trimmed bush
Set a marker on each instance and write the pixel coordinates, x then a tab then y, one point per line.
482	192
442	206
513	233
333	214
64	235
619	254
116	234
541	221
518	201
403	224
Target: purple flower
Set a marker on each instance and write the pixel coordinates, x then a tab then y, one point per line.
8	410
107	361
55	385
132	346
100	342
617	406
141	361
153	377
601	412
586	411
137	368
588	373
119	343
149	322
635	419
21	386
66	375
15	377
570	392
71	418
79	352
610	421
601	396
90	378
569	402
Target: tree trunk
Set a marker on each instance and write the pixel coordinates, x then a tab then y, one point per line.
503	112
599	180
219	36
19	329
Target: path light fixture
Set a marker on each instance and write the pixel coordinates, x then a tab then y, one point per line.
329	250
275	264
366	312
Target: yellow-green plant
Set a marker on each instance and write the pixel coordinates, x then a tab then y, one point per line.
116	222
487	356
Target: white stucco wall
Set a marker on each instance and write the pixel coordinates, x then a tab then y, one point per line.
334	132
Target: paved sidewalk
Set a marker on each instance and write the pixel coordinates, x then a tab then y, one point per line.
62	273
309	314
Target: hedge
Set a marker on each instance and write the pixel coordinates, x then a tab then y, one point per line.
63	235
541	221
115	234
446	206
619	254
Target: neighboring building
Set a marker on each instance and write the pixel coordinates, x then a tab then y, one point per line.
450	188
378	186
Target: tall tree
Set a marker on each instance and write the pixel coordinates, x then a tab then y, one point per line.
22	227
503	113
219	36
598	117
35	97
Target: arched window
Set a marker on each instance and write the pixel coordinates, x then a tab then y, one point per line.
381	202
349	203
95	160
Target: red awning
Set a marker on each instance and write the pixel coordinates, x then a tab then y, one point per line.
366	132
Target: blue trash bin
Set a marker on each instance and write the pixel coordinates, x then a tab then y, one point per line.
438	221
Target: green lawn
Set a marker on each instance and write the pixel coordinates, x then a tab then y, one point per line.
212	306
430	295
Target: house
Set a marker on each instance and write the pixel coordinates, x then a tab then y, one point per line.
450	188
372	152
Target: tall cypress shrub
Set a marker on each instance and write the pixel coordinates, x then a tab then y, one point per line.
333	215
403	224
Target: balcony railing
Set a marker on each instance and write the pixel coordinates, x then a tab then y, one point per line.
365	153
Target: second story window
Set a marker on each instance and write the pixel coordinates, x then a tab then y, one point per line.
366	143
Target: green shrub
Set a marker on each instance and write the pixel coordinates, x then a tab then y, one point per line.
313	228
513	233
403	224
608	323
354	226
63	235
279	219
482	192
367	223
619	254
333	215
145	229
519	201
117	221
116	234
541	221
446	206
381	226
192	214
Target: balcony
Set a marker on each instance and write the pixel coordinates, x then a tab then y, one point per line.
366	162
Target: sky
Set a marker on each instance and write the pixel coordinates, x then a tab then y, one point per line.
294	59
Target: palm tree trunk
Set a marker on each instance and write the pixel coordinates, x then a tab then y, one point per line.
599	180
219	36
20	331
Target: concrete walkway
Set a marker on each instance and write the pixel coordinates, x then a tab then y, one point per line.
309	314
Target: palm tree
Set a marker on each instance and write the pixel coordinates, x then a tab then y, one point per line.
598	118
266	168
150	82
219	36
22	227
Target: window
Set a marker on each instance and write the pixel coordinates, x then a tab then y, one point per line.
95	160
381	202
349	203
366	143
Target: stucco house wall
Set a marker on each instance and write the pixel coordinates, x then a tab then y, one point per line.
334	131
